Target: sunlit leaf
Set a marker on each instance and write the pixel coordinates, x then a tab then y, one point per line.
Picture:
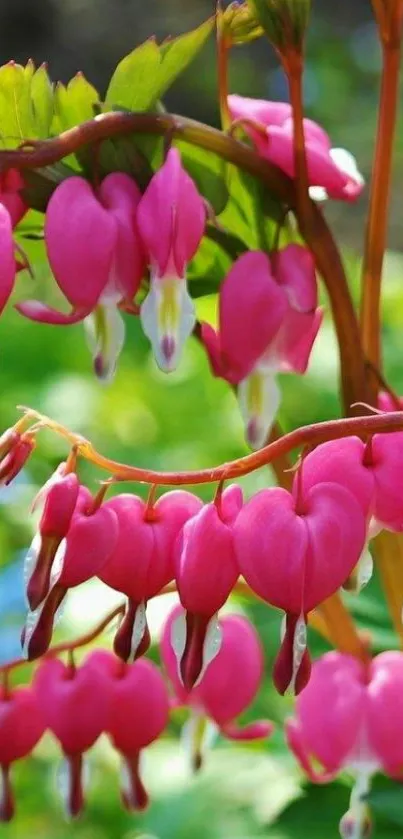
143	76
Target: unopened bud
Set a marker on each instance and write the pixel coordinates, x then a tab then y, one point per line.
239	24
15	453
284	22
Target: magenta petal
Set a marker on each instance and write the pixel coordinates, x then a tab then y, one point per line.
294	269
35	310
121	196
171	217
269	113
8	267
80	236
211	342
251	731
295	340
252	307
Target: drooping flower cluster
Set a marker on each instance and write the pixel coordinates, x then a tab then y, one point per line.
294	549
350	717
128	702
112	248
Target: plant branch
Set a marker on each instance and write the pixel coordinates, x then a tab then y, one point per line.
67	646
315	232
310	435
377	223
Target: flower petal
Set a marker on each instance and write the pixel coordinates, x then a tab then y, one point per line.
252	307
121	196
167	317
105	330
7	259
40	312
259	399
80	236
171	217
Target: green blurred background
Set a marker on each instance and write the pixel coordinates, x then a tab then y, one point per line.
185	421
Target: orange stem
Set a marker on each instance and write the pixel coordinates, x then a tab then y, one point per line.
310	435
377	223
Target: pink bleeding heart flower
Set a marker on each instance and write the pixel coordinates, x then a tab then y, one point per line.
171	219
268	321
142	562
373	472
21	728
138	714
60	496
75	703
97	259
295	553
332	172
206	572
227	688
12	210
15	450
350	717
89	542
387	402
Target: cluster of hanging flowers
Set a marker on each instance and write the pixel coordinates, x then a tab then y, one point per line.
293	548
111	249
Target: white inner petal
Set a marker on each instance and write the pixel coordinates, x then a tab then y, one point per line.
197	737
259	399
211	646
139	626
178	639
31	557
347	163
105	332
167	316
298	650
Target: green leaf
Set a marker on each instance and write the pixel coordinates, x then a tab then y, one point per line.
208	172
251	213
143	76
42	101
41	183
386	800
76	103
134	83
16	115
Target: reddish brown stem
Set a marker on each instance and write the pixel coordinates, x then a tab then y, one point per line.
309	435
68	646
377	223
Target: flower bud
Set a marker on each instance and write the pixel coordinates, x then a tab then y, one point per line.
239	25
284	22
15	450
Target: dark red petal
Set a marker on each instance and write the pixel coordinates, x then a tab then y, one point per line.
134	794
288	671
131	640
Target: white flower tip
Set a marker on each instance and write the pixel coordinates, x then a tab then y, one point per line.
259	400
167	316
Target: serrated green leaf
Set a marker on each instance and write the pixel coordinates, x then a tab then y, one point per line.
179	52
143	76
42	101
74	104
252	213
16	115
134	83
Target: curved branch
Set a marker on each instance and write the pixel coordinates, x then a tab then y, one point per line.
310	435
316	232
